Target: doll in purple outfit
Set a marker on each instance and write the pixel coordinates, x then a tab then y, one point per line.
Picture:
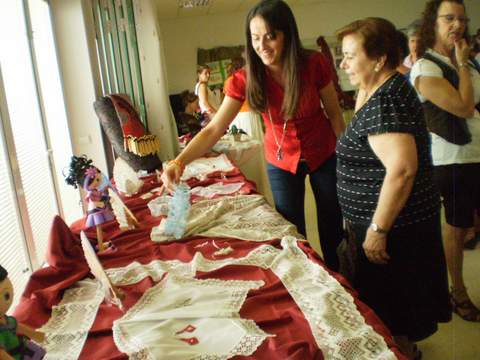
98	202
83	172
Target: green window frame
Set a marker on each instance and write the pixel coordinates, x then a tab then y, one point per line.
117	50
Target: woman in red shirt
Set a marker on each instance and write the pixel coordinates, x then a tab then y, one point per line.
293	89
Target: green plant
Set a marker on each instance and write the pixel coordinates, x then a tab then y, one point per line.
234	130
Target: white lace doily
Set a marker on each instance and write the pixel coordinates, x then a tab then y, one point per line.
71	320
185	318
245	217
201	167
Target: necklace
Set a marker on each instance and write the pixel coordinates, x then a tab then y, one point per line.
282	139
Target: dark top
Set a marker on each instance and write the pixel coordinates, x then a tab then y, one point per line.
393	108
187	124
452	128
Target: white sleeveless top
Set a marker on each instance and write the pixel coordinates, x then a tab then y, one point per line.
213	98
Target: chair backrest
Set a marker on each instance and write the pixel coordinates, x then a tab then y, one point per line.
111	124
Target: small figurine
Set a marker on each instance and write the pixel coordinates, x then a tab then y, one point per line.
14	343
83	172
99	209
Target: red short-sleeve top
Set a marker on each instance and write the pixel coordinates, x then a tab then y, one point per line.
309	134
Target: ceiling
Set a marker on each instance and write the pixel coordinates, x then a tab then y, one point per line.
169	9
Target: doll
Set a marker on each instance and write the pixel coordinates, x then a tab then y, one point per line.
83	173
98	202
14	343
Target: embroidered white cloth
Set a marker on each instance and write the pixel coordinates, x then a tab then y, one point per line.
339	329
184	318
216	189
246	217
201	167
159	205
67	329
238	151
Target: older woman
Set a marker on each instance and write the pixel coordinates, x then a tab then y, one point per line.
386	190
449	86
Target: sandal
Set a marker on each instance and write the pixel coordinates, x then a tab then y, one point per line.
465	309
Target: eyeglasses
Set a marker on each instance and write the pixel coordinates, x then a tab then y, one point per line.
449	18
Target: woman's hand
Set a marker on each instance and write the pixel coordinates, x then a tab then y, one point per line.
375	247
462	51
171	176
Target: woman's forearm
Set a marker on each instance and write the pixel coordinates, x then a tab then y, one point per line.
338	124
465	89
394	193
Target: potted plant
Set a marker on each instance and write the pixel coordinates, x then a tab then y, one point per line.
236	132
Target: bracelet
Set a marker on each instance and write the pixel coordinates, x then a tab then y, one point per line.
463	64
178	163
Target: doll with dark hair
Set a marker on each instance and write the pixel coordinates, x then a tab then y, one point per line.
95	184
14	343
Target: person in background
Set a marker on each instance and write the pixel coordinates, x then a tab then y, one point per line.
346	101
189	120
476	46
288	85
449	87
413	32
404	51
209	102
387	193
247	120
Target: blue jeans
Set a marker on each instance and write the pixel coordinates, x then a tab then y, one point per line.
289	196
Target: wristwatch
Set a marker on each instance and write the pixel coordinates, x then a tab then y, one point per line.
378	229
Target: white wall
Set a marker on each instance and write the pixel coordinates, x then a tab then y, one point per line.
70	26
160	117
183	36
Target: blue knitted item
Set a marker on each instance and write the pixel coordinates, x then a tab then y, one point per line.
178	210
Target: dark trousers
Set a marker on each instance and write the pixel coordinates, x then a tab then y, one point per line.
289	196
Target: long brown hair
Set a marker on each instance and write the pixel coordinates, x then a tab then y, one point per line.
429	20
279	17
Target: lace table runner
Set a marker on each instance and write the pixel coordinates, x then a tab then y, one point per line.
71	320
339	329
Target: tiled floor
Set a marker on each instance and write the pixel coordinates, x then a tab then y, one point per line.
456	340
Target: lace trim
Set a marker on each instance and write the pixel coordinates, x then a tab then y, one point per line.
337	326
136	272
67	329
247	346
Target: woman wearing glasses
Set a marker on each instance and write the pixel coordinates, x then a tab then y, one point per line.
449	87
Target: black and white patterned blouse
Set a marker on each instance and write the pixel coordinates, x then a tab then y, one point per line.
393	108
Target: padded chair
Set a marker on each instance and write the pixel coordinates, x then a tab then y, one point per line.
112	126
